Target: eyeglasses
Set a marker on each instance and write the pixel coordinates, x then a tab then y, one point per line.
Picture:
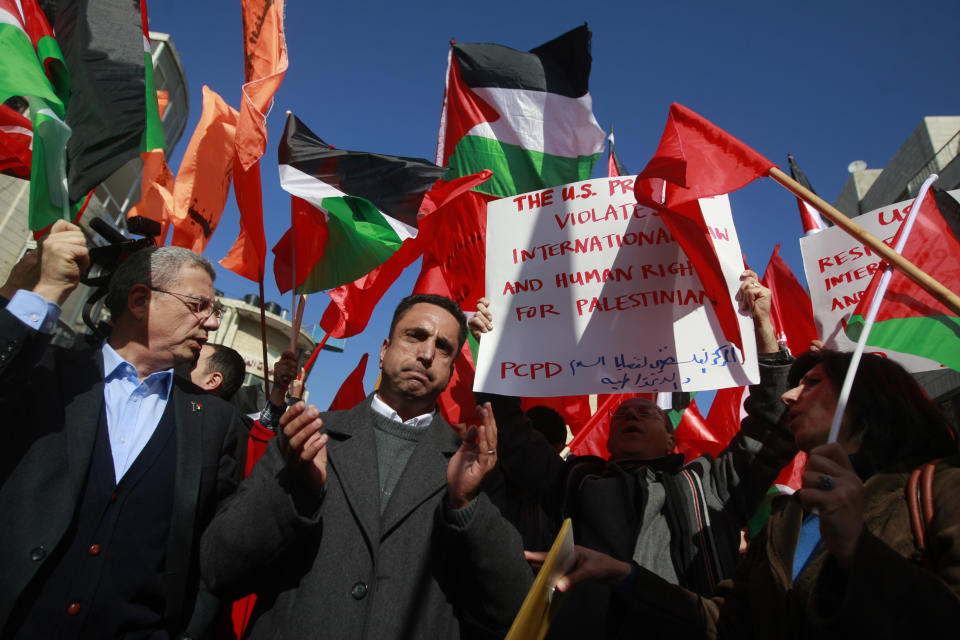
200	307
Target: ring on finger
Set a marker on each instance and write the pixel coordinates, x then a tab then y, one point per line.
826	482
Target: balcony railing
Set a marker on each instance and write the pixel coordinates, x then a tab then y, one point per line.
940	159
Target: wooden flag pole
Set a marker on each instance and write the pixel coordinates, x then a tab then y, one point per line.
263	339
307	368
299	302
898	262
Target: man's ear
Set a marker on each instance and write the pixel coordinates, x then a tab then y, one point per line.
212	381
383	349
672	442
138	301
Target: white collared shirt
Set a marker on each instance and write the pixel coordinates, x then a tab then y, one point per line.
381	407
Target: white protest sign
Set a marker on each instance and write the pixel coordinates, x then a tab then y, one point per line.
591	294
839	268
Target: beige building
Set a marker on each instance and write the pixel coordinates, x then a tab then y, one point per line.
932	147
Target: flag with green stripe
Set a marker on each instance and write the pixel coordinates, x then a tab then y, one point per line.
528	117
351	209
23	74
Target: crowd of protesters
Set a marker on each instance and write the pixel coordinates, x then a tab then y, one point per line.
136	502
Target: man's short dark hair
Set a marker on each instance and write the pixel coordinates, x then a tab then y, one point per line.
887	410
441	301
549	423
229	364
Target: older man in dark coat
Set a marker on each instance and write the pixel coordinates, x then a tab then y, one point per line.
111	466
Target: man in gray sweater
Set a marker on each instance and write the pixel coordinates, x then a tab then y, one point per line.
370	523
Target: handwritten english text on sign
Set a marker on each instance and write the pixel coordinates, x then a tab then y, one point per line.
591	294
839	268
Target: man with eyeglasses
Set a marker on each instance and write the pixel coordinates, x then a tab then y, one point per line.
679	519
115	466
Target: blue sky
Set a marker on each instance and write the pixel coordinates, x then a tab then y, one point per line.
829	82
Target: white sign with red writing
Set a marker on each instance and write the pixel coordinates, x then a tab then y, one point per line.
839	268
591	294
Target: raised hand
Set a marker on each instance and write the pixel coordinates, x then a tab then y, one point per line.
482	321
831	485
476	456
284	372
303	446
755	300
63	257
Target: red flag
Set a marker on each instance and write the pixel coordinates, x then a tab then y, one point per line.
456	403
16	138
246	257
726	412
809	217
457	239
352	304
614	166
790	306
693	435
304	240
206	170
592	439
351	392
696	159
459	246
574	409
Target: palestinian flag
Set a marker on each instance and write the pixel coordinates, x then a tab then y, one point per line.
528	117
31	74
351	209
910	319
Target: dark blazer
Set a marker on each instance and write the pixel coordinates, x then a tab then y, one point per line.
332	565
50	400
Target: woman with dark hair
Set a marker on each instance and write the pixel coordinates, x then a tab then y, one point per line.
888	414
838	558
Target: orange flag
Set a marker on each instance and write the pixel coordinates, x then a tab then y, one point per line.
163	99
265	56
156	203
265	50
203	180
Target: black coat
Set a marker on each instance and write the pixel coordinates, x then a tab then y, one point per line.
51	400
331	566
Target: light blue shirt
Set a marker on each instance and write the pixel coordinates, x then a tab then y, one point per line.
134	408
33	310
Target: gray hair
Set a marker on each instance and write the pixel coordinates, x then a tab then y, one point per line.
157	267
